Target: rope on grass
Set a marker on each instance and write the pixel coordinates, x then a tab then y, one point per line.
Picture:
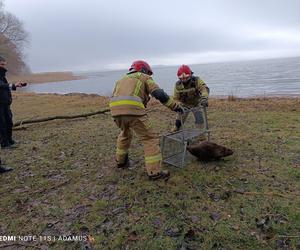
20	123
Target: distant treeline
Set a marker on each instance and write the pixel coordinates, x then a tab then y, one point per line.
13	39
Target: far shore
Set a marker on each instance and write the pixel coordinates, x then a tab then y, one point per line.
212	97
45	77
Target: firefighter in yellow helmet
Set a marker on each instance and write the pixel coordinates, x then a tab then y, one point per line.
128	102
191	92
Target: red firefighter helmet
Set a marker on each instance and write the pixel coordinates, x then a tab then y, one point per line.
184	72
141	66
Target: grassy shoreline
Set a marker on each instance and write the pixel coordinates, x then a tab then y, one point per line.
65	182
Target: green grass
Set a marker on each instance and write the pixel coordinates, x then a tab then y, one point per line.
64	180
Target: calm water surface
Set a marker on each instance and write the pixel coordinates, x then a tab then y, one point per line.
272	77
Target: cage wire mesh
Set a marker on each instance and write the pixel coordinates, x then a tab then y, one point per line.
174	149
174	144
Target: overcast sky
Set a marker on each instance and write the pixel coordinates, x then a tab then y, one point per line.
109	34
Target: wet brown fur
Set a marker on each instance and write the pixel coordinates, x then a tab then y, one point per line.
207	151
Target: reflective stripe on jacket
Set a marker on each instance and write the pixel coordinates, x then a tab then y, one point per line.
191	92
131	94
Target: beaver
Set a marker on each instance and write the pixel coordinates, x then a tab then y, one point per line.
207	151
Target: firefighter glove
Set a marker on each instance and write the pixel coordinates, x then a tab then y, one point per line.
204	102
179	108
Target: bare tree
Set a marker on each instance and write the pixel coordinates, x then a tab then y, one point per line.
8	49
13	39
13	29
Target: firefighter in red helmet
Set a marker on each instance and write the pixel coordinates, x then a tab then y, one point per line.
191	91
127	105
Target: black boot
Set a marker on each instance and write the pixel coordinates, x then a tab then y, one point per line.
8	146
125	164
5	142
4	169
11	141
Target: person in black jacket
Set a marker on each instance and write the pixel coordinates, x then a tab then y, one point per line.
6	122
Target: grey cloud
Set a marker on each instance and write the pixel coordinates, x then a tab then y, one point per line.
73	34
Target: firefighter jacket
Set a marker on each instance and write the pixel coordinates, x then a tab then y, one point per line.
5	89
131	95
190	93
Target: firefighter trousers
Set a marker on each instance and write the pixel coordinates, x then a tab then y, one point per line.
141	125
198	115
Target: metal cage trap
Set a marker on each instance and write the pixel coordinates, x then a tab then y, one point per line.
174	144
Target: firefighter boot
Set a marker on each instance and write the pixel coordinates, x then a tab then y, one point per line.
125	164
177	126
163	174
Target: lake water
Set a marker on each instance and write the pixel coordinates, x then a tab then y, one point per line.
272	77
